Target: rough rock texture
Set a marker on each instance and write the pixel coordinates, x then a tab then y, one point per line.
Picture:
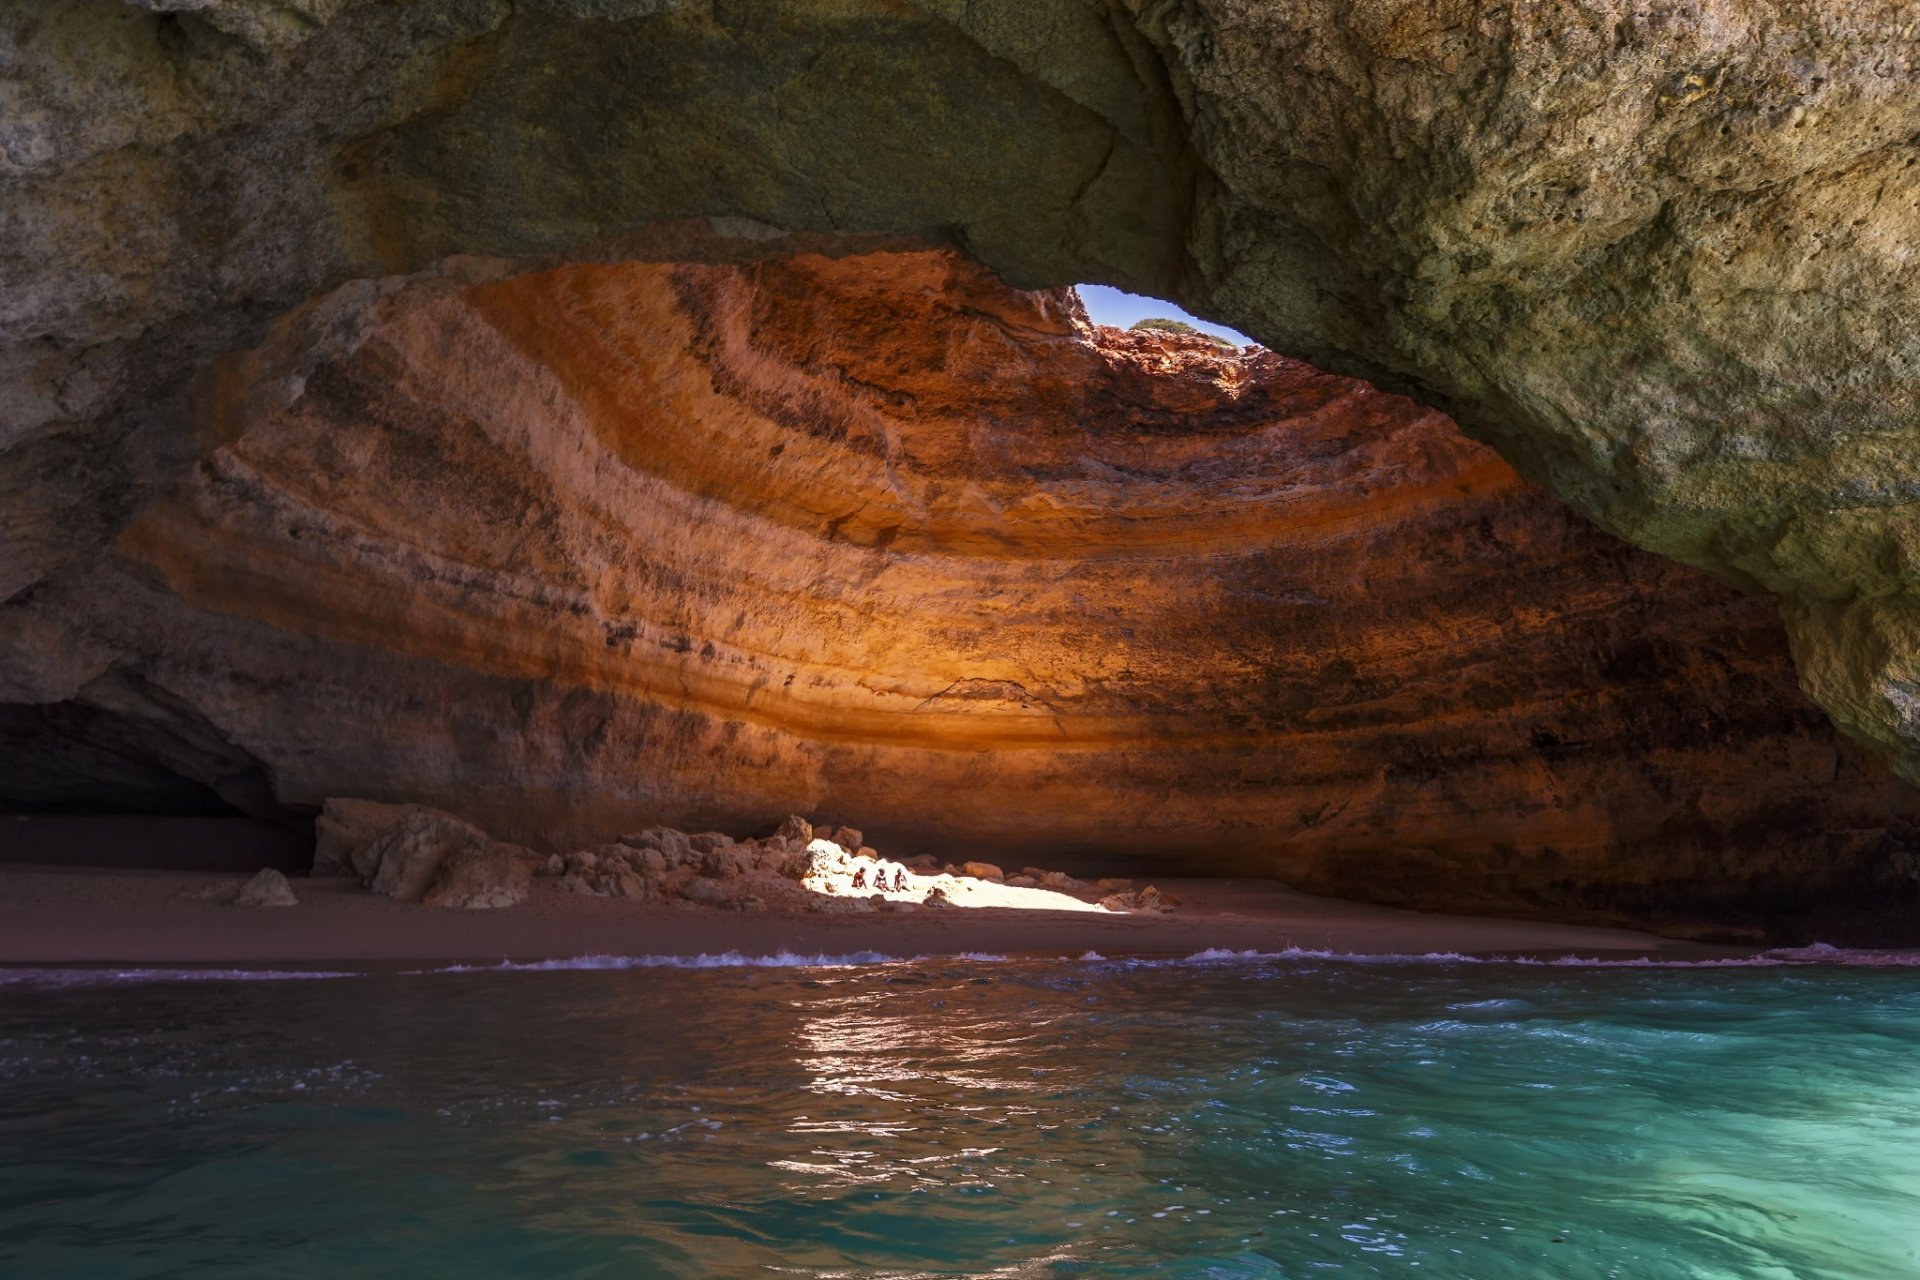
1660	255
411	853
475	876
569	552
267	888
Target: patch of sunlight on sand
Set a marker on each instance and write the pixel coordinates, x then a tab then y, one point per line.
833	868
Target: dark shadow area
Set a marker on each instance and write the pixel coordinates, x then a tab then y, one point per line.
127	776
155	842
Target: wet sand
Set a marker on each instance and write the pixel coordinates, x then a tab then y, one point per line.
59	915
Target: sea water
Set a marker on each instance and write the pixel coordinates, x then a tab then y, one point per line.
1214	1116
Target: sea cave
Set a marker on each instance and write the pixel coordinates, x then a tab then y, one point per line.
927	639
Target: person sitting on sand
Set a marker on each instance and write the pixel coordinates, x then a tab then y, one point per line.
860	878
899	879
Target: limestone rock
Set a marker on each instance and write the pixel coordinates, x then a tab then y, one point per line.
936	897
981	871
1524	716
481	876
796	829
728	862
672	845
344	827
406	857
1663	261
708	893
267	888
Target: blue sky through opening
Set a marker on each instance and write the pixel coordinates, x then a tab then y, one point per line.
1108	305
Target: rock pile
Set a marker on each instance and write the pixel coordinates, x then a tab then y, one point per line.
412	853
705	868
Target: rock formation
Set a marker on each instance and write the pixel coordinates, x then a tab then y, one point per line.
573	551
1660	258
267	888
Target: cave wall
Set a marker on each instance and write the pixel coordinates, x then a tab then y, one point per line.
1660	258
880	538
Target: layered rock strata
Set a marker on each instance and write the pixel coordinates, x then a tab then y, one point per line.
1660	256
571	552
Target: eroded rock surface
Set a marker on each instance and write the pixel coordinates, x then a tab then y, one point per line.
573	552
1660	256
412	853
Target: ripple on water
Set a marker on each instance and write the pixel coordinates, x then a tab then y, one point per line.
1216	1115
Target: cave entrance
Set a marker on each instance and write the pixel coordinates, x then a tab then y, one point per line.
119	778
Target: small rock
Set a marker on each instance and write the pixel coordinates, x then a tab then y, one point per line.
728	862
555	865
852	839
1118	902
571	883
1060	882
673	844
583	863
936	897
796	829
982	871
708	841
922	862
268	888
841	906
1023	882
627	884
863	851
707	893
1113	886
1151	899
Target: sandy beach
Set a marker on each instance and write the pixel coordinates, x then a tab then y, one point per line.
57	915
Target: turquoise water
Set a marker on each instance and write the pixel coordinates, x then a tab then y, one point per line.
1239	1117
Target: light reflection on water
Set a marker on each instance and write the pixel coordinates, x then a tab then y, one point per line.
942	1118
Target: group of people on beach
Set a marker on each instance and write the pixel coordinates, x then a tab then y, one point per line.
880	883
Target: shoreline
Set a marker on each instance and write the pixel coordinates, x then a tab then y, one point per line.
64	916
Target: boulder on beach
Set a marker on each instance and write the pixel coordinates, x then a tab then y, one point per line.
346	826
268	888
403	861
982	871
478	876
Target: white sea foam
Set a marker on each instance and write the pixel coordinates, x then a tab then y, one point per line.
40	977
1819	953
725	960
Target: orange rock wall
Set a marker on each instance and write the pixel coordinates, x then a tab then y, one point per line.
880	539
